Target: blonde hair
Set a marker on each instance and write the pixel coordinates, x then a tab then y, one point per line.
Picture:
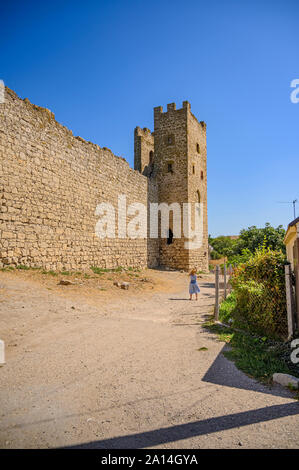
193	271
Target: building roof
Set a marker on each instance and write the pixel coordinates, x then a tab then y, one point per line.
294	222
291	231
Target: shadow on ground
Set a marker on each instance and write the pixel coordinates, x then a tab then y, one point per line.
224	372
193	429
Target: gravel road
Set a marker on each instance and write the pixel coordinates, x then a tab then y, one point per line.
127	372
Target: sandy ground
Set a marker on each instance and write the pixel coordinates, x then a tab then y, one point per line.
91	365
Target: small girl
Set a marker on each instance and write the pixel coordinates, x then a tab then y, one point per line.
193	286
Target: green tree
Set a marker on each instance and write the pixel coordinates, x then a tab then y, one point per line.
253	238
224	246
250	239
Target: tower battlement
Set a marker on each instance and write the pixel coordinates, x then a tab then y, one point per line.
143	149
142	132
171	107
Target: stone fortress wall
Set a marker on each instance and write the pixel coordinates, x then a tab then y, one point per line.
51	183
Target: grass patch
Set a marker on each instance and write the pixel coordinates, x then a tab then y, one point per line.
8	268
227	308
97	270
292	388
23	267
136	270
258	357
50	273
65	273
20	267
203	349
119	269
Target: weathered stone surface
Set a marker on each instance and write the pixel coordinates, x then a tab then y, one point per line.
125	285
286	379
179	167
66	282
51	183
2	353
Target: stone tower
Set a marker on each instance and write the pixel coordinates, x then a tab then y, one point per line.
178	165
143	150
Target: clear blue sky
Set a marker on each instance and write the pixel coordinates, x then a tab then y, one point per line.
101	67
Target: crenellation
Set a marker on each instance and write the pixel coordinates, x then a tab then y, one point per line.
187	105
171	107
158	110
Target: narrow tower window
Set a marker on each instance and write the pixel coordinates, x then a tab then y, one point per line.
170	237
170	139
198	196
151	156
193	169
169	168
201	175
197	148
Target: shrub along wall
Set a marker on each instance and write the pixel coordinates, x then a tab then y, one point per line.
259	294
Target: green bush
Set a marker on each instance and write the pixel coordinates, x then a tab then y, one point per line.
260	297
240	258
215	255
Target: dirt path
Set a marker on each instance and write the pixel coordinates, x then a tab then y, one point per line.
118	369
